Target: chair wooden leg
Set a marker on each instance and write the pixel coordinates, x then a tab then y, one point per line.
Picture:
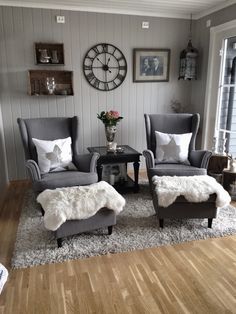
110	230
161	223
210	222
59	242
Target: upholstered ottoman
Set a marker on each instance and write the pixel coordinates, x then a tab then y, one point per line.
73	210
103	218
182	206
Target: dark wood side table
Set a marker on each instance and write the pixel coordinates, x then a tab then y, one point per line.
128	155
229	183
217	164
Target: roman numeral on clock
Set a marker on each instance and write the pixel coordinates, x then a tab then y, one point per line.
90	76
88	67
121	58
122	67
96	83
120	77
105	48
95	49
90	58
114	84
106	86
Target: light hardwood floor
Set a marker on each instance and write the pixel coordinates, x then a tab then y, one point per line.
194	277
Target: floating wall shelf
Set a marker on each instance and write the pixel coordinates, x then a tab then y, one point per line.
50	83
49	54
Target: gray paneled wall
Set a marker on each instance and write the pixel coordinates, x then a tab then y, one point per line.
3	167
20	28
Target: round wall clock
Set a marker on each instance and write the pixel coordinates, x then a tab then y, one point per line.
105	67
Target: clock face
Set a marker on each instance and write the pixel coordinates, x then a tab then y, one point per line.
105	67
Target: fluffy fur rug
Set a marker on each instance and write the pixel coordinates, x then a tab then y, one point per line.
137	228
78	202
195	189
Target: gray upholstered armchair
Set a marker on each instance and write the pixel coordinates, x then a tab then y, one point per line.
174	124
52	129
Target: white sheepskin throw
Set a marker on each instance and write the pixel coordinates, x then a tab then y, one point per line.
79	202
195	189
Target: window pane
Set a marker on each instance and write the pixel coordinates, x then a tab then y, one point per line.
227	92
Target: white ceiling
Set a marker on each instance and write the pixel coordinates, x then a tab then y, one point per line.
164	8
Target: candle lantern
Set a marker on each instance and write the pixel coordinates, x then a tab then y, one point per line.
188	60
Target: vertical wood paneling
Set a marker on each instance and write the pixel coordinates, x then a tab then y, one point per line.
61	33
101	37
76	61
56	37
93	97
28	41
85	88
133	87
19	99
22	27
66	39
7	103
125	48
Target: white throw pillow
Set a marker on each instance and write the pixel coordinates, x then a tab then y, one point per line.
172	147
54	155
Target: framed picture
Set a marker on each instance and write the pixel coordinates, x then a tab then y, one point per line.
151	65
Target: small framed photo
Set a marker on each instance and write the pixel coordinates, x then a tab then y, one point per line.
151	65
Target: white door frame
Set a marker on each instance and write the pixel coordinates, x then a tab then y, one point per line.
210	110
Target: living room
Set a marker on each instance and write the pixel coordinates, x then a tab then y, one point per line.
143	265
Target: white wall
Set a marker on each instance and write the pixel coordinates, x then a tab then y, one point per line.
20	28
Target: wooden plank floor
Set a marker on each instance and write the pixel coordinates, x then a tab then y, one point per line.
194	277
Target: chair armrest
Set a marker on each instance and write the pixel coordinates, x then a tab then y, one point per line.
33	170
149	158
86	162
199	158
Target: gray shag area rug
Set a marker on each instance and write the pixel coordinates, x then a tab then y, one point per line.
137	228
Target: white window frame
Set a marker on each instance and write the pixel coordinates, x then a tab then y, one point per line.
211	111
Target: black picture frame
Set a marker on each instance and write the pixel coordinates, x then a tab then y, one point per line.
151	65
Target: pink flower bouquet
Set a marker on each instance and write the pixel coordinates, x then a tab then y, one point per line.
111	117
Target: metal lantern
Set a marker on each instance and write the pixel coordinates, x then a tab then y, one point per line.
188	59
188	63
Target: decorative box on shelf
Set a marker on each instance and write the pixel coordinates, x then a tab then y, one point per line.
50	82
49	54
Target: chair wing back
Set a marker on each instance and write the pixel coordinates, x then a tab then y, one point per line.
171	123
47	129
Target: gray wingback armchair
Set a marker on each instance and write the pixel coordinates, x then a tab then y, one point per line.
175	124
52	129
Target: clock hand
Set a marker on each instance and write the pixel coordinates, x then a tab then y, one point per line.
107	65
104	65
100	61
108	60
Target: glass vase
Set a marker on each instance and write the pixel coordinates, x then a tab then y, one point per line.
110	131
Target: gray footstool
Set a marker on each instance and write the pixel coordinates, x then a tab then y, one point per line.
181	208
103	218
